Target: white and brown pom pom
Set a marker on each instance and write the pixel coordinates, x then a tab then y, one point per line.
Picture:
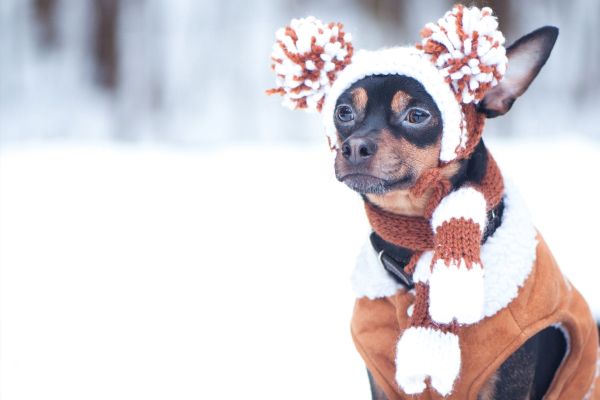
307	57
467	47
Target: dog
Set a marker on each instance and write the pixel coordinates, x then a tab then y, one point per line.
380	159
428	321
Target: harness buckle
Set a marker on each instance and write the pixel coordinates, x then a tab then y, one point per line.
392	266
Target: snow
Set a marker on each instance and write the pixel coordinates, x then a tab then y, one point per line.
160	272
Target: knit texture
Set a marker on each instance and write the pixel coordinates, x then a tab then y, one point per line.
452	294
539	298
415	233
307	58
467	47
460	57
456	240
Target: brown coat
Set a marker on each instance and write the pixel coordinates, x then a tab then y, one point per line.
546	298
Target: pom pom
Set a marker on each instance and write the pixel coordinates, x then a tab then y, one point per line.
468	49
307	57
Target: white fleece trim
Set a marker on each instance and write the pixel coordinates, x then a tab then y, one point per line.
370	279
507	257
415	64
509	254
423	352
467	203
456	292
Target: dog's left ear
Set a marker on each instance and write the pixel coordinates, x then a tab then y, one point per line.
526	57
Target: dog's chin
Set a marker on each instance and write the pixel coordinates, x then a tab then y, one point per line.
365	184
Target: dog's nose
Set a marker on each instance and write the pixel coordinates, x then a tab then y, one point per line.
358	149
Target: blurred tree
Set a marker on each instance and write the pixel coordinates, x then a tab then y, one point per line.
396	13
45	13
106	14
387	11
177	68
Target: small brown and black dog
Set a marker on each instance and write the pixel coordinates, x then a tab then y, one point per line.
390	131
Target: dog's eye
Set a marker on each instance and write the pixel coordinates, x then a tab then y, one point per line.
344	113
416	116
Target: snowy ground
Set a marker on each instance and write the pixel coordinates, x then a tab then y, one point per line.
148	273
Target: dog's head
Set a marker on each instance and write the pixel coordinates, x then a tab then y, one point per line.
394	114
389	128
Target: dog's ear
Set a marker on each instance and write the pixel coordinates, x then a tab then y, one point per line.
526	57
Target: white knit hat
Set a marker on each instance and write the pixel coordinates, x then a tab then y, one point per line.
459	58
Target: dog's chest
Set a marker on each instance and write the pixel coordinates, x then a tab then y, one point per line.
544	298
508	256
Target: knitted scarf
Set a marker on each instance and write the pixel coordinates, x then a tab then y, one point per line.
452	236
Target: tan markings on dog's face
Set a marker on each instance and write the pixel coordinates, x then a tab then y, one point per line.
398	157
404	201
414	161
359	100
400	101
389	131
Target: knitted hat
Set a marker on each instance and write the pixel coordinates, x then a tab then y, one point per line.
458	60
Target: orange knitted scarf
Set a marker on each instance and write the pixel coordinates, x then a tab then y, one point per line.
415	233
